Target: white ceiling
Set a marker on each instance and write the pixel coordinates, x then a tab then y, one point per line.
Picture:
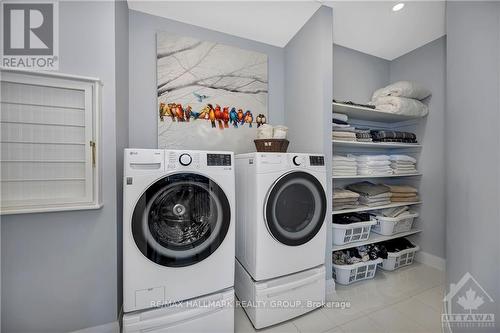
367	26
270	22
372	27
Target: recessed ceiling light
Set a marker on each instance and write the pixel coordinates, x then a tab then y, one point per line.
398	7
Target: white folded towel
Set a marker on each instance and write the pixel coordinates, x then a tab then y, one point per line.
366	158
401	105
339	116
399	158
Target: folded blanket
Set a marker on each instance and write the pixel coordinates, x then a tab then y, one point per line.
403	195
343	158
384	195
364	172
399	199
404	172
401	105
384	134
368	188
396	140
403	89
340	193
393	212
402	189
339	116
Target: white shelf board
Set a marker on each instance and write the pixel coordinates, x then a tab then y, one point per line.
364	113
375	238
362	208
384	145
384	176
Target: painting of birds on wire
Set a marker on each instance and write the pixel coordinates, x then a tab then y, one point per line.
210	95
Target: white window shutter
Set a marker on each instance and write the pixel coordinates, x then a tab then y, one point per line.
49	126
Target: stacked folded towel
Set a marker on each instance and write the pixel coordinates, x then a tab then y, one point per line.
370	194
403	193
403	164
363	135
373	165
393	136
341	130
344	199
344	166
403	97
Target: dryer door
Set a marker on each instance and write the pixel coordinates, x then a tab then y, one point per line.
295	208
181	219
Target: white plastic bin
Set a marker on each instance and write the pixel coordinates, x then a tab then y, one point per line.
347	274
399	259
351	233
393	225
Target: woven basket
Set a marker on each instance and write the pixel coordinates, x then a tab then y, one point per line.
271	145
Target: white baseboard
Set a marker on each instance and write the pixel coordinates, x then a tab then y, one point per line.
113	327
330	290
431	260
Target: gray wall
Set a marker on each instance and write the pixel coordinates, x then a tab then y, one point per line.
472	141
122	94
59	270
308	88
357	75
427	65
143	100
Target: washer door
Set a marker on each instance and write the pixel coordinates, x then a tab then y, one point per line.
295	208
181	220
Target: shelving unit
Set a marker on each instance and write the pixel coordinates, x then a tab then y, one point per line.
362	208
371	118
383	176
382	145
368	114
375	238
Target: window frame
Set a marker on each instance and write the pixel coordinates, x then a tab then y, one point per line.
92	90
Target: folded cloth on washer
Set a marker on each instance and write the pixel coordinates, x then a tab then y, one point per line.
402	158
407	89
401	105
367	188
339	116
402	189
340	193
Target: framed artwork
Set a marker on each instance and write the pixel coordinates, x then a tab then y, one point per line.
210	95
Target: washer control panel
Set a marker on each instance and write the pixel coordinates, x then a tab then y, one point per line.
218	159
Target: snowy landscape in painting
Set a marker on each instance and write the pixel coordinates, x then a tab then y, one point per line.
209	94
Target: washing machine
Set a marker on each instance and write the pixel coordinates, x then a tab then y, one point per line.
281	211
178	226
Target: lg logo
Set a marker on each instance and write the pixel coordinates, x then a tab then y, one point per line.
30	34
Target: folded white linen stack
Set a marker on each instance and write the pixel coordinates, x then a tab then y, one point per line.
403	164
373	165
344	166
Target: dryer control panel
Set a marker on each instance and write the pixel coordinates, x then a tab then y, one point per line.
218	159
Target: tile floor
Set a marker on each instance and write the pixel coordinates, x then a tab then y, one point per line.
406	300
